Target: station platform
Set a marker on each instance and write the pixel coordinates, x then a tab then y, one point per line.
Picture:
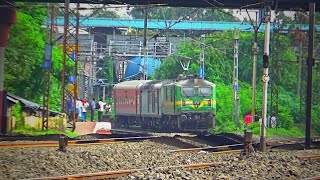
83	128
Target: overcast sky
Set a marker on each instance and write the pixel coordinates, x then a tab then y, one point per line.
123	11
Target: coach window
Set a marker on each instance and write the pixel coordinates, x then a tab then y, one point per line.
131	100
149	100
153	101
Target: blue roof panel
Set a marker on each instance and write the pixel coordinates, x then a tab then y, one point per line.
161	24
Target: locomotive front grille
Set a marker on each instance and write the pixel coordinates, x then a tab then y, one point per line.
196	121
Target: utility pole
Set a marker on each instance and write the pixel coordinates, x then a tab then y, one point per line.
47	65
64	59
300	58
235	87
265	78
75	88
254	67
145	67
310	64
202	46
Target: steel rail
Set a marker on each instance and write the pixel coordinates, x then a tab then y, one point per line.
77	142
210	148
310	157
313	178
114	174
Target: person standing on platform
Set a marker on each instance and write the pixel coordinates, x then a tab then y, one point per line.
70	108
78	109
85	105
92	108
101	109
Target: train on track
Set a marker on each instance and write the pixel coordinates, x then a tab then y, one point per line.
186	105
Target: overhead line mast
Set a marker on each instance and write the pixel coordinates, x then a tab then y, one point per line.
265	77
47	65
235	86
310	64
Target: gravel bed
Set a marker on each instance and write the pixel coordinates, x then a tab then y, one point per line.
21	163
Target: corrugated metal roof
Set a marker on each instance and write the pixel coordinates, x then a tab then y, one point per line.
25	103
162	24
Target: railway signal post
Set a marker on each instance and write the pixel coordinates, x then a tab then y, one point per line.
265	79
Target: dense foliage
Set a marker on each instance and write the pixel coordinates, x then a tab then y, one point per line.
219	69
24	74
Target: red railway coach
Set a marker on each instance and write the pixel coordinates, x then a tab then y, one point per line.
127	100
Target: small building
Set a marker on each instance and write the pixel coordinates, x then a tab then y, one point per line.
30	115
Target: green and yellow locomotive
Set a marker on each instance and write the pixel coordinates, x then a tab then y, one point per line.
187	105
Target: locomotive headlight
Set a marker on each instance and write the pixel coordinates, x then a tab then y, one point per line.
183	102
209	102
183	117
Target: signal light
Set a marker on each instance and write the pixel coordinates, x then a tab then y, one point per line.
265	61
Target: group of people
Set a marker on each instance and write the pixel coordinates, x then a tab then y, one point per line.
82	106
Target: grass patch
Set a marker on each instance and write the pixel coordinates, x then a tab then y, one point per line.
230	127
292	132
30	131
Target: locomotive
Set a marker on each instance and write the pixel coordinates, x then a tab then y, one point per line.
186	105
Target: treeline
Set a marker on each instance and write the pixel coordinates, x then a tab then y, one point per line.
24	75
219	69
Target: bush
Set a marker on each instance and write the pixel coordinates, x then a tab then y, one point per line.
16	112
285	119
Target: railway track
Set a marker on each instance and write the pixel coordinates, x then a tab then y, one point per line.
76	142
120	173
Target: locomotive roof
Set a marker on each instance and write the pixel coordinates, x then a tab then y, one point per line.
155	84
195	82
130	84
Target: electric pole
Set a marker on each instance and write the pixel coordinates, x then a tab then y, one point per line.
254	67
310	64
47	65
236	98
145	66
202	46
265	78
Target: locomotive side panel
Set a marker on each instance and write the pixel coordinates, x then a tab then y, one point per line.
168	99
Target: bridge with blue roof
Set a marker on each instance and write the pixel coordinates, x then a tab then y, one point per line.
132	50
171	24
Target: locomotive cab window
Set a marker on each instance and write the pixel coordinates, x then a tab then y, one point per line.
187	91
205	91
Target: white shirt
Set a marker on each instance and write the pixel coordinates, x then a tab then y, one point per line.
101	104
78	104
85	106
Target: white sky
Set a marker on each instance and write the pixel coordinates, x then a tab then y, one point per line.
123	11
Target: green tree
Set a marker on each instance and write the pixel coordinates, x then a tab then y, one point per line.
24	57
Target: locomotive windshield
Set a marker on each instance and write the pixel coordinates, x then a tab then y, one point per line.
205	91
187	91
